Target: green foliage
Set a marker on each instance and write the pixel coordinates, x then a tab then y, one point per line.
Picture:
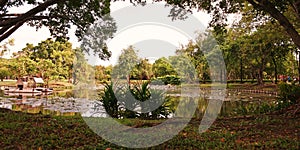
110	101
168	79
103	73
253	109
261	54
126	63
118	103
162	67
103	28
142	71
50	59
4	72
82	71
142	93
277	11
289	94
57	15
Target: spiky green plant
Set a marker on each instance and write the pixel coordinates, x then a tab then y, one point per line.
110	101
118	102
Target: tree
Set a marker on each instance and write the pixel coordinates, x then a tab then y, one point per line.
83	73
57	15
22	65
256	45
99	72
163	67
102	73
54	58
126	63
50	59
285	12
97	35
144	70
4	71
184	67
205	56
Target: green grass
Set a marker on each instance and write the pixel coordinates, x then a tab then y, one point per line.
26	131
7	83
53	84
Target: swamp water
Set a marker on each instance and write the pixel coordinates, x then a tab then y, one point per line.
63	103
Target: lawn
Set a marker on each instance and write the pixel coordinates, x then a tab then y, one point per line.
276	130
8	83
53	84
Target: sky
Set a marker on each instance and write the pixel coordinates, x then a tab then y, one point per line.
152	38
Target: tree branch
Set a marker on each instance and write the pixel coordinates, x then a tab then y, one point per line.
270	8
12	30
3	3
30	13
296	8
29	18
3	29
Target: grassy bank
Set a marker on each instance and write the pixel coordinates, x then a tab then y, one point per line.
8	83
269	131
66	84
53	84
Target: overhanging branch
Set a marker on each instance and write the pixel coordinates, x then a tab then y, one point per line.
12	30
29	14
270	8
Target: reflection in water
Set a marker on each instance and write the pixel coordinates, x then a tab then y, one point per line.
64	104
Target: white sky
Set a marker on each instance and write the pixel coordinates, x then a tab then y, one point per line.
164	34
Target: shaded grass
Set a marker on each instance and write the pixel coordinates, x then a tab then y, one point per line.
270	131
249	86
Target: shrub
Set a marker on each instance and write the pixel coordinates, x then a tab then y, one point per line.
118	103
142	93
169	79
109	100
289	94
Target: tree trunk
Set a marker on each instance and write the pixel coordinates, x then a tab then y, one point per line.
260	77
299	66
74	78
241	70
128	79
270	8
221	76
275	69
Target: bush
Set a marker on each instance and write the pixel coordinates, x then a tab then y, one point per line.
169	79
288	94
109	100
118	102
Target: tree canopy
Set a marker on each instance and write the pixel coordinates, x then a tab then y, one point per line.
57	15
285	12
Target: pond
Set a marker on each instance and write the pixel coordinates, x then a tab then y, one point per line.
63	103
